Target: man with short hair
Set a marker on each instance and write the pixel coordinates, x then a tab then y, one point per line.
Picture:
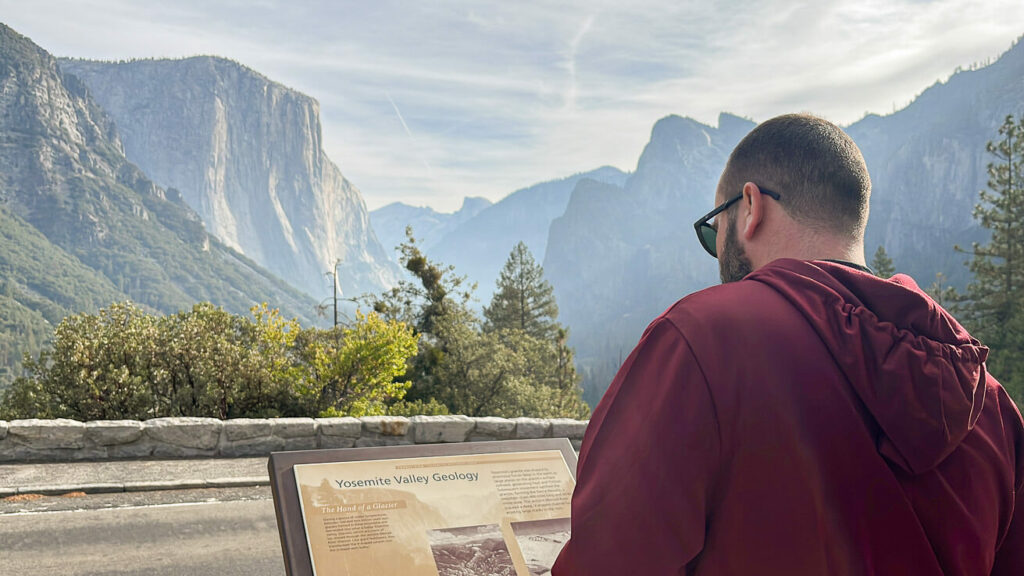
805	417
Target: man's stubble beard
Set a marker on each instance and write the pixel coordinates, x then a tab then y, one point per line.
733	264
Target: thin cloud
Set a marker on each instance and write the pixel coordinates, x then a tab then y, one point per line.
496	96
574	45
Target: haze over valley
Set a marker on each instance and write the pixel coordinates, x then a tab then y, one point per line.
173	181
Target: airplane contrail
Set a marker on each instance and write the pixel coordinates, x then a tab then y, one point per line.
408	132
399	114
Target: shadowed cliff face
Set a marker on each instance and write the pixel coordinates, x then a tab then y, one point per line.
246	154
480	246
928	163
619	256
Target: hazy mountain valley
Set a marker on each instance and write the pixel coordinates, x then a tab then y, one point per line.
168	182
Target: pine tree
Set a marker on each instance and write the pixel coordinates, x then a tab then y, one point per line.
516	363
995	300
523	316
882	264
524	300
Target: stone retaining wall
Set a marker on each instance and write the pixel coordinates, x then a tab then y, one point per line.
66	440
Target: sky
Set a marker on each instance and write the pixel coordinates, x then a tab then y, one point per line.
429	102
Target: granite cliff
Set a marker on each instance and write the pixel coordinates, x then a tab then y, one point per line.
928	163
246	154
83	227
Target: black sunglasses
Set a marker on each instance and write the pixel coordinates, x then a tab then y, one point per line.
706	233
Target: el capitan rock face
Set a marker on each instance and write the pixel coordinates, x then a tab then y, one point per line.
246	154
71	199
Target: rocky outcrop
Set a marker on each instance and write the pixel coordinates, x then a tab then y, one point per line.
67	440
246	154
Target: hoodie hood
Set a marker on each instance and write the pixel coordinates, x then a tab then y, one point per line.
918	372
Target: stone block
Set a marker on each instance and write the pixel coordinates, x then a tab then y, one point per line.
163	450
492	428
110	432
293	427
347	427
435	429
23	453
47	434
337	441
386	425
3	429
88	453
532	428
253	446
195	435
568	428
142	448
246	428
302	443
373	441
576	444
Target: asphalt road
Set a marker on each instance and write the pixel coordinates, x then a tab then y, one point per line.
212	531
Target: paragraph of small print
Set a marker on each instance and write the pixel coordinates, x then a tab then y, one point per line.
530	490
357	532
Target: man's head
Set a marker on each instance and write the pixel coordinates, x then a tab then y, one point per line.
823	189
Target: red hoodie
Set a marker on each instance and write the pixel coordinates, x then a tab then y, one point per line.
809	419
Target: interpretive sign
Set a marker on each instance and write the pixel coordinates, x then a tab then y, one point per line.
488	508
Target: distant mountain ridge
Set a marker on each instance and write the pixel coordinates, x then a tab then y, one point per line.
479	237
428	226
246	154
479	247
84	227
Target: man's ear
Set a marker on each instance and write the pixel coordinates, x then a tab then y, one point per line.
752	211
